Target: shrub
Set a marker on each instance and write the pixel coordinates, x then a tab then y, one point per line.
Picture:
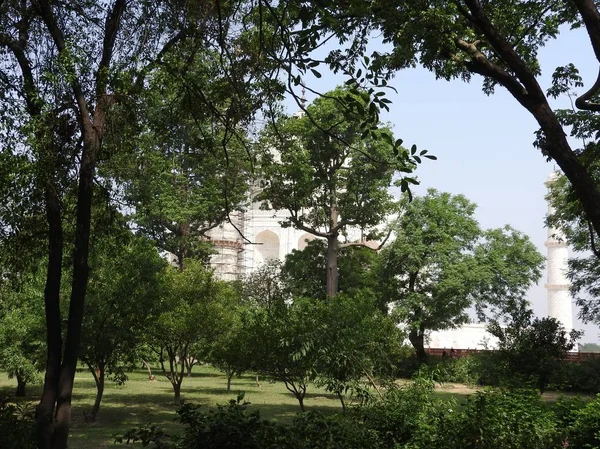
16	426
505	419
585	430
580	377
404	413
232	427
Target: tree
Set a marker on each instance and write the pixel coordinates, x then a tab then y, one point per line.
187	170
441	263
533	347
286	344
304	271
193	310
22	328
358	344
458	39
328	173
589	347
66	72
230	351
124	291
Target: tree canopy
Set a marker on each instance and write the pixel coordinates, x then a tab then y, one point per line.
328	174
441	263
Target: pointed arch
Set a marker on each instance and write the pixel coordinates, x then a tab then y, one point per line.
304	239
268	246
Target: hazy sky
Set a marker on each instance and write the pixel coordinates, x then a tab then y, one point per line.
484	144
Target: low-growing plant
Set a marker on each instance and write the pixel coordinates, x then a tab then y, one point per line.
505	419
16	426
585	430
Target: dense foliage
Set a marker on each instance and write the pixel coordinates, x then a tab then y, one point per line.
405	417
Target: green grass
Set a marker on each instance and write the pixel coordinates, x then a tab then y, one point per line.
140	401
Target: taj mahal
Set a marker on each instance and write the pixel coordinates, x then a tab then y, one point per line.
253	236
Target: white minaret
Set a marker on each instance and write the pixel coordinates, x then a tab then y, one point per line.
559	297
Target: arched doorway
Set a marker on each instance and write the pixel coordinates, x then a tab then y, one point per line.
267	247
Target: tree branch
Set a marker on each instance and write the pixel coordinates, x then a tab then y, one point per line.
583	101
505	50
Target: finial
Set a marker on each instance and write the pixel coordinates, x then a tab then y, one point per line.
303	98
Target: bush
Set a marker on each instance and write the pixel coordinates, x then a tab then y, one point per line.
16	426
585	430
580	377
403	416
232	427
505	419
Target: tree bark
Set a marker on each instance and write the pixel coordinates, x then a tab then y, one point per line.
341	398
78	290
332	266
44	413
300	398
417	339
99	377
20	393
177	390
229	376
189	364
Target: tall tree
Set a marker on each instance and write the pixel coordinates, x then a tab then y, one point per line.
188	168
328	173
66	71
441	264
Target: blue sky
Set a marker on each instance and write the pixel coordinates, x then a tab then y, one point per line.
484	144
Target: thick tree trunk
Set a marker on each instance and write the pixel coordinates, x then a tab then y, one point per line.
44	413
332	266
78	290
417	339
99	378
20	393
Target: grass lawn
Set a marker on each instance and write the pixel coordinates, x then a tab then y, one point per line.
141	402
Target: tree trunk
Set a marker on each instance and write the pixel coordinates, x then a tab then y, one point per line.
177	390
20	387
150	376
44	412
300	398
78	290
332	266
99	377
417	339
229	376
341	397
189	364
